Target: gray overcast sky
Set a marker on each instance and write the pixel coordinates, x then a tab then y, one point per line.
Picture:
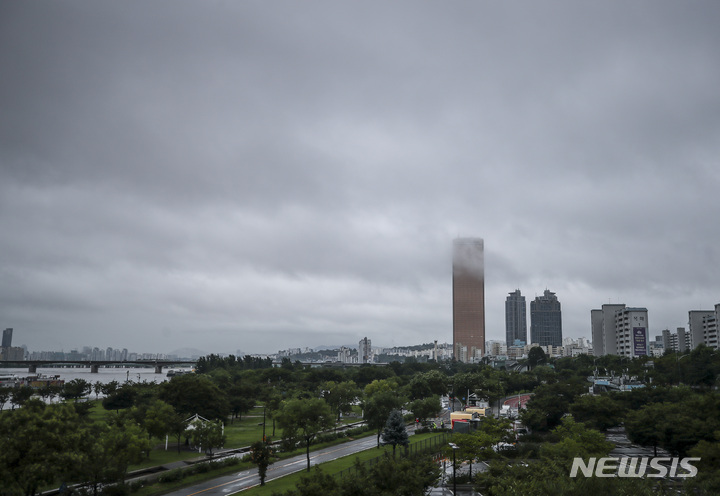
260	175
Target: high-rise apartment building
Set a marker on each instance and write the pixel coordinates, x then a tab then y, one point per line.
710	329
546	320
680	341
631	332
7	338
621	330
365	351
515	318
696	324
603	329
468	299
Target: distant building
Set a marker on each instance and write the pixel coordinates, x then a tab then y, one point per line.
546	320
604	338
468	299
12	353
631	331
657	347
365	351
495	348
7	338
680	341
574	347
710	328
697	322
515	317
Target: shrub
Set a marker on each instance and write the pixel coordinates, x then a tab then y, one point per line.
172	476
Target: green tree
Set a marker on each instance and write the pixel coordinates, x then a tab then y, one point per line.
5	393
177	426
192	394
600	412
76	389
394	432
157	419
304	419
109	388
426	408
536	356
21	395
261	455
707	481
207	435
473	446
108	450
97	389
273	402
549	404
341	396
120	398
242	398
576	441
39	445
377	408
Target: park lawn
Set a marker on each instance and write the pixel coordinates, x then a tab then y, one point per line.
162	488
283	484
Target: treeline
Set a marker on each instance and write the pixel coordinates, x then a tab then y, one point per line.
679	411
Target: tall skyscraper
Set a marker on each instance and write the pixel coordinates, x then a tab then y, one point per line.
515	318
546	320
7	338
468	299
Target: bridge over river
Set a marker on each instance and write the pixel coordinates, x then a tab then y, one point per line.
94	365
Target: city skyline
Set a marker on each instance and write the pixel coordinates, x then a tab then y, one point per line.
235	175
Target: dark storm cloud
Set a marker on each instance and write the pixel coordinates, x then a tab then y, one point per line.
283	174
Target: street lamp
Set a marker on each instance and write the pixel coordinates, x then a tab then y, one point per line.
264	407
454	447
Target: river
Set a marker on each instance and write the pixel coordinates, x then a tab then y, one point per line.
104	374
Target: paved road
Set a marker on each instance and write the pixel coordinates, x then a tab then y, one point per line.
224	486
518	401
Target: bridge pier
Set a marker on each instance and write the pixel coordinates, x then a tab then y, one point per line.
94	368
32	368
158	369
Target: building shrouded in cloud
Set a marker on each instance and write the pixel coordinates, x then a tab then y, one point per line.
468	299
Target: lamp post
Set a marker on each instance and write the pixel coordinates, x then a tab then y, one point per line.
264	407
454	447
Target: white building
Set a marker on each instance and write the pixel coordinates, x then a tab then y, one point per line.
710	328
696	327
365	354
631	331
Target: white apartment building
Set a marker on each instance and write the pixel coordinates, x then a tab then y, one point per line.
710	328
631	331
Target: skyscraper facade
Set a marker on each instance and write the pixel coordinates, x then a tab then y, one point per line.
515	318
7	338
468	299
546	320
